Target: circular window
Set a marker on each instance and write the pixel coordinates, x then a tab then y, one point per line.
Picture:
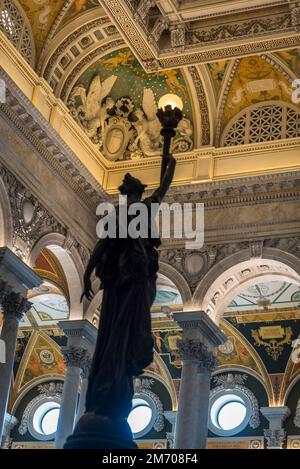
229	412
43	424
141	417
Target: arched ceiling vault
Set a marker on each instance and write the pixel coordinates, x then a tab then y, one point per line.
81	46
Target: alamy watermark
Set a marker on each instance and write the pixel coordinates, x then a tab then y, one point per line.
138	220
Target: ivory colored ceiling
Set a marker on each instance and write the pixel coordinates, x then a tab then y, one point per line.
80	44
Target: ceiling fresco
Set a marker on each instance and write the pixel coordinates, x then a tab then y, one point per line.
77	8
49	306
264	296
255	81
41	15
292	59
48	267
41	356
217	71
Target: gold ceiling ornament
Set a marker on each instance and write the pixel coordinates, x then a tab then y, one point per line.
273	338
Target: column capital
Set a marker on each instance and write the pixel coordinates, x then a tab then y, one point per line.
78	357
14	304
275	434
196	351
197	325
275	438
87	363
80	333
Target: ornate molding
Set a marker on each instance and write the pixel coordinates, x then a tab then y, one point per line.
224	33
194	265
243	191
236	382
46	141
14	305
78	357
142	387
20	34
50	389
74	43
275	437
53	390
85	61
196	351
67	4
204	112
31	220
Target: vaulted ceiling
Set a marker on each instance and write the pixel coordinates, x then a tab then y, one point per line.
86	51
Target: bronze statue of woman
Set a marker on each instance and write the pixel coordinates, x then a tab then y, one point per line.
127	268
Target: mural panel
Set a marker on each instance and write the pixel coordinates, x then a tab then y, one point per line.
41	14
255	81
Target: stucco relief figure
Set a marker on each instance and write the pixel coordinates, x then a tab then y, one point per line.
127	269
147	124
92	113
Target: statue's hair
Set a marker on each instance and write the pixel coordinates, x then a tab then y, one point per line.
131	185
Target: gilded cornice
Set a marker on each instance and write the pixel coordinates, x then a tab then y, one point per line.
228	34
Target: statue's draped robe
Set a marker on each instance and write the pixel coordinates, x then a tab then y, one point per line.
127	269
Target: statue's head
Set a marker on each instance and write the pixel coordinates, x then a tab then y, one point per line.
132	186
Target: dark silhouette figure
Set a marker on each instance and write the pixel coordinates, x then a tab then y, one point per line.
127	269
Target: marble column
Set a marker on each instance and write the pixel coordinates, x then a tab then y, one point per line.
275	434
74	359
83	388
200	336
16	278
81	342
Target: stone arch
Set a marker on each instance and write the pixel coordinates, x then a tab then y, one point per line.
71	263
179	281
6	226
245	370
32	384
237	273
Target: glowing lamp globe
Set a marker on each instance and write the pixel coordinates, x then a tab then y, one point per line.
170	100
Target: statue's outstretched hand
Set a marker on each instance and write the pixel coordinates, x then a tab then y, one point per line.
87	292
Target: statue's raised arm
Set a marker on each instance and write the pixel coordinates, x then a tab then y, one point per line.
167	173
